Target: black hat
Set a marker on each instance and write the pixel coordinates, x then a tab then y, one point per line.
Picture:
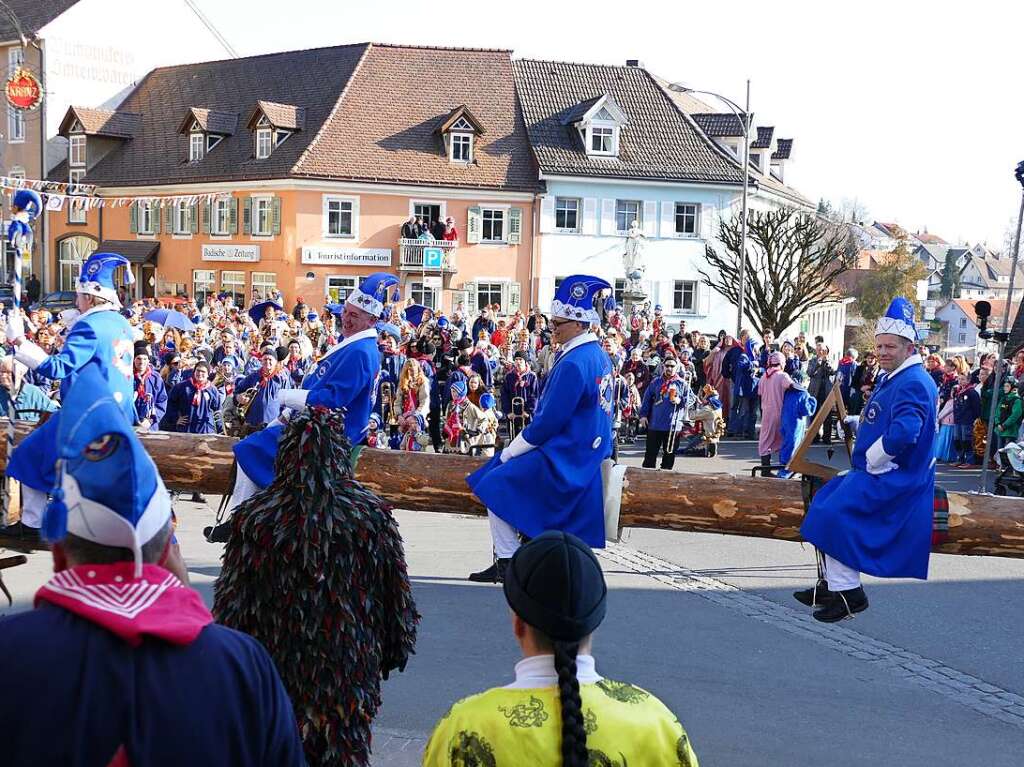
141	349
519	355
424	347
464	343
555	584
282	353
206	355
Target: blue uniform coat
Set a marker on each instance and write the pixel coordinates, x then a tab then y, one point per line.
661	413
345	378
100	335
797	405
201	415
265	405
152	404
557	485
881	524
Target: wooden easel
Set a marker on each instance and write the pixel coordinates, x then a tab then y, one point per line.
798	464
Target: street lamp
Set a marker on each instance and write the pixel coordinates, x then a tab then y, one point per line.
982	308
743	115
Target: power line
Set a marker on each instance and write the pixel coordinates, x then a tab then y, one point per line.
213	30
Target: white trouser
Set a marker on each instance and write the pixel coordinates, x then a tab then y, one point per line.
33	504
505	537
244	489
839	576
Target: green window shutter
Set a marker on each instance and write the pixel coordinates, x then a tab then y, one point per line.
474	224
514	297
161	217
515	226
193	218
133	218
247	216
470	288
206	207
233	216
276	216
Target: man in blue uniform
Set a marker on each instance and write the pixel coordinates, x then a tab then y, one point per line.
520	384
662	413
99	334
117	644
261	391
195	401
877	518
150	392
549	476
345	378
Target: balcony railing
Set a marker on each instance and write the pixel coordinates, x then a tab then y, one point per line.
410	255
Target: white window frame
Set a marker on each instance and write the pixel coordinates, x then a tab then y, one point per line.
196	146
205	277
353	202
503	210
349	283
696	219
280	136
963	322
679	289
503	291
181	219
146	210
613	138
232	273
579	214
264	148
76	213
15	58
963	338
16	172
419	292
264	282
15	126
254	215
216	231
76	150
441	205
212	139
460	139
638	217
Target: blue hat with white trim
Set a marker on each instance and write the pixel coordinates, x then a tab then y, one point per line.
28	200
898	320
97	277
108	490
372	294
388	329
574	299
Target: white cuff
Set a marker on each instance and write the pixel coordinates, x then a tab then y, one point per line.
293	398
878	461
517	447
31	355
852	421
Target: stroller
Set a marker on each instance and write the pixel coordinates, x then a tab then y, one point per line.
1010	480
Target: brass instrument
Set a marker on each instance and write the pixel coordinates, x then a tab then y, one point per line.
518	418
250	394
387	406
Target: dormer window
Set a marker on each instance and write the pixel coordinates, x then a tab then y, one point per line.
459	130
205	128
196	146
272	124
264	142
461	147
76	150
602	139
599	122
755	159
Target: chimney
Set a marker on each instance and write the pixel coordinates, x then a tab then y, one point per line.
634	63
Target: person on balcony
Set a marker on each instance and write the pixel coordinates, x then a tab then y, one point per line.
437	229
411	229
451	234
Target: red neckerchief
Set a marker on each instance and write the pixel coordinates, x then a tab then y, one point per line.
140	384
266	378
293	363
666	382
197	397
521	378
963	389
110	596
846	360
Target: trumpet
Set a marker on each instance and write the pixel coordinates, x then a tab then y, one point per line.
250	395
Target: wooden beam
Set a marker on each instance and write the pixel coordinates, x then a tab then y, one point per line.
711	503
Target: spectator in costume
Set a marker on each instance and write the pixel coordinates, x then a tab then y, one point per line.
150	392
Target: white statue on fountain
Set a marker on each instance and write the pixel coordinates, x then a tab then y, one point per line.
633	258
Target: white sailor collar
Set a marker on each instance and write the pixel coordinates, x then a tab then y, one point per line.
368	333
94	310
539	671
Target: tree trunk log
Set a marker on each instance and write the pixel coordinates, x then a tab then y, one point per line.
710	503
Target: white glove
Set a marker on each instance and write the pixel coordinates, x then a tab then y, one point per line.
877	460
68	317
293	398
15	325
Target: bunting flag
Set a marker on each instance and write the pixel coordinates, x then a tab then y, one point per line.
57	194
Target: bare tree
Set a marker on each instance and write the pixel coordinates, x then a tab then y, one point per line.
852	211
793	259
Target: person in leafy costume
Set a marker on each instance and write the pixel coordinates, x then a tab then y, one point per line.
315	570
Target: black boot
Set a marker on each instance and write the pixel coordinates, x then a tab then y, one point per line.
198	498
712	449
816	596
219	533
493	574
845	604
20	534
766	461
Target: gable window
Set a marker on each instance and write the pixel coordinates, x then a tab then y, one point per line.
567	214
602	139
626	212
196	147
264	143
462	147
963	322
182	218
221	216
262	216
338	217
76	150
493	229
687	219
684	294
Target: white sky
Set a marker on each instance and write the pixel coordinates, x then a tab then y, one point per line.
907	106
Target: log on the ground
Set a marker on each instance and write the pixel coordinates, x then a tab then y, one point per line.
711	503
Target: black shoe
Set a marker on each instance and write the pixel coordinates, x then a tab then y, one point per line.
766	462
816	596
219	533
712	450
20	534
493	574
845	604
198	498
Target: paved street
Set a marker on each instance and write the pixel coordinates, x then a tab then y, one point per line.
931	674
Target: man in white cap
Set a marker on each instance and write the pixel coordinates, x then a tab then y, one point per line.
549	476
877	517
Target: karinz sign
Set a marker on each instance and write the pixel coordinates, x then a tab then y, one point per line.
23	89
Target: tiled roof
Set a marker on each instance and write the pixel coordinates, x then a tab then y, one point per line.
719	124
926	238
783	150
575	114
384	127
102	122
33	15
461	111
158	154
284	116
659	142
764	138
995	322
211	121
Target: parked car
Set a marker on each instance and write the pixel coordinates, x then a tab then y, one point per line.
57	301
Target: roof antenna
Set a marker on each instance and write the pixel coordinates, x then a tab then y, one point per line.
213	30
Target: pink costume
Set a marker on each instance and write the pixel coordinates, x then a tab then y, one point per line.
771	387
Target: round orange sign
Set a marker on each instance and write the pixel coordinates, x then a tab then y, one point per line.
23	90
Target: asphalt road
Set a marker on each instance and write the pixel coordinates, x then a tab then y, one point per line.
929	675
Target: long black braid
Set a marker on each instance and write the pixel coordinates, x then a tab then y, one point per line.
574	735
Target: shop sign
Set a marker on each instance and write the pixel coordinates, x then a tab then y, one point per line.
325	256
23	90
246	253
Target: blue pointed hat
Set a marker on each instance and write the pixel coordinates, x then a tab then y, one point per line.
372	294
389	329
29	201
97	277
414	314
335	309
898	320
459	389
108	490
574	299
